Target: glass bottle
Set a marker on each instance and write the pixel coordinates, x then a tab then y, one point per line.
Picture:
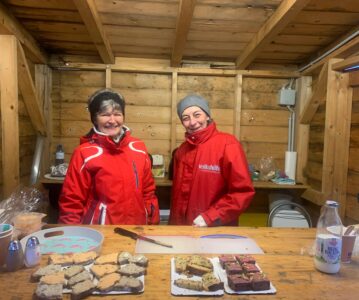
59	155
328	243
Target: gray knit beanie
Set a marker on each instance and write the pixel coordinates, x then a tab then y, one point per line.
193	100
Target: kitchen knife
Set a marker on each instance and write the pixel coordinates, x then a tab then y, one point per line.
135	236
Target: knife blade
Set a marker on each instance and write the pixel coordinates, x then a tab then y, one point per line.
135	236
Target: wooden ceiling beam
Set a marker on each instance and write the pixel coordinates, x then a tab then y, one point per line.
184	19
345	46
285	13
346	63
91	18
9	25
29	94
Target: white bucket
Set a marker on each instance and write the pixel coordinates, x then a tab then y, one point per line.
284	212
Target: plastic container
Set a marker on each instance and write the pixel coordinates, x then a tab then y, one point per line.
284	212
27	223
4	246
32	252
15	257
5	229
328	243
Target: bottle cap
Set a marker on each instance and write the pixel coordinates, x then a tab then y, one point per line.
15	246
332	203
32	242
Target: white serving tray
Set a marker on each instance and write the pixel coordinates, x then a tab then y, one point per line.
223	276
177	291
67	239
225	244
95	281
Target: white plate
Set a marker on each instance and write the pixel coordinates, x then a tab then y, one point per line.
60	178
95	281
177	291
223	276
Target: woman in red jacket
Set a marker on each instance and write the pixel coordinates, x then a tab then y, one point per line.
211	181
109	179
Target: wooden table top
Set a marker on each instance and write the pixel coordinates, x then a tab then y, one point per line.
286	262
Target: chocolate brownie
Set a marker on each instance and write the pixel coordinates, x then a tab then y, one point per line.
224	259
245	259
233	268
250	268
260	282
239	283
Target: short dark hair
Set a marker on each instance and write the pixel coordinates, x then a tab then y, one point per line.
96	99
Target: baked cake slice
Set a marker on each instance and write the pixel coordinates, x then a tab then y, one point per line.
211	282
84	258
102	270
107	259
49	291
132	270
107	282
130	284
189	284
82	289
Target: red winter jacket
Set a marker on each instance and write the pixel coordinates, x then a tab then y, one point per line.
109	183
211	179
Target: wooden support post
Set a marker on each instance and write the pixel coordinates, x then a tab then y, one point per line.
304	92
174	112
329	135
237	105
337	135
9	114
343	98
108	77
43	83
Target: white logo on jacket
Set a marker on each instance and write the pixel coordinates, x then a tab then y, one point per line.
210	168
87	159
130	145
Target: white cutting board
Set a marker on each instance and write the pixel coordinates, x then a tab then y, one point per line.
187	244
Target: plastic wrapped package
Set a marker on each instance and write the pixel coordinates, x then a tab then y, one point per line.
22	200
59	170
267	168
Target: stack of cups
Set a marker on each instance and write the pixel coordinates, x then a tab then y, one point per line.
6	231
348	242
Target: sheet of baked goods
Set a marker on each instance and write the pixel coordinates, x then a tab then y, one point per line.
195	275
241	274
83	274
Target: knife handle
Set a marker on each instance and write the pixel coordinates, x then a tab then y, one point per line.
126	232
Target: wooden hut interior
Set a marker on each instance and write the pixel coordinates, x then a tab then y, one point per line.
237	54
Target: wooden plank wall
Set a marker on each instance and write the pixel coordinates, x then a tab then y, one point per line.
264	124
27	141
352	205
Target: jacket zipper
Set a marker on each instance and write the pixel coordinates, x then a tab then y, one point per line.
136	174
102	216
136	177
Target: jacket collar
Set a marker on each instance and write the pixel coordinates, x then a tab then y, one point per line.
105	140
202	135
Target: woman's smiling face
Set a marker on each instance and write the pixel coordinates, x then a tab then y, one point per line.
110	121
194	119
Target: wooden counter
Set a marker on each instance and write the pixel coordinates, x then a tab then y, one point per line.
286	262
166	182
